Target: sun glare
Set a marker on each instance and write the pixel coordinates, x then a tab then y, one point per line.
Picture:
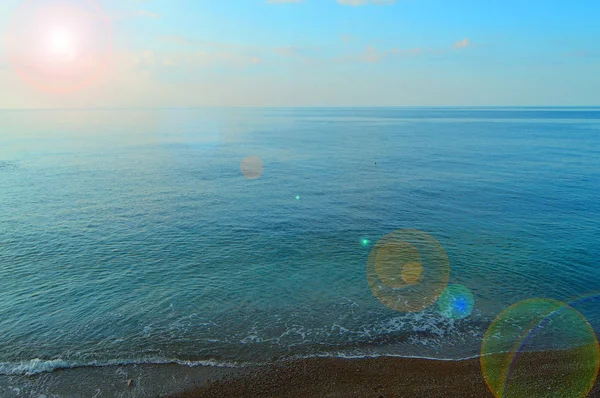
59	45
61	42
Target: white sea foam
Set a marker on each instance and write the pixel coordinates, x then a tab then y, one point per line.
398	329
367	356
33	366
37	366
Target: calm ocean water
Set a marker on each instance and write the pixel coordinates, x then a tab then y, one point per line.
131	236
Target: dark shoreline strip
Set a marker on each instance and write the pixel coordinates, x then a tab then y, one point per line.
366	377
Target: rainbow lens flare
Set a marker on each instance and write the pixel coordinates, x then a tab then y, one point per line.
407	270
540	348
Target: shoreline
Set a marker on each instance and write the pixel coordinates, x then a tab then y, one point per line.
35	367
358	377
318	376
384	377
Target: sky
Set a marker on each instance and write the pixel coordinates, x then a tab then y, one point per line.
195	53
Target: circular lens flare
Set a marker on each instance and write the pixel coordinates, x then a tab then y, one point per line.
412	273
456	302
394	256
407	270
540	334
252	167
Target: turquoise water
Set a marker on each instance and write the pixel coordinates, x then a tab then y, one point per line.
131	236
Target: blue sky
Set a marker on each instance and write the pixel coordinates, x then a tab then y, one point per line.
172	53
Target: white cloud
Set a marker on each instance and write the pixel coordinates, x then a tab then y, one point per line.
123	15
356	3
145	13
372	55
352	2
347	38
464	43
189	41
289	51
576	54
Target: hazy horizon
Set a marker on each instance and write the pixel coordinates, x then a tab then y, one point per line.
476	107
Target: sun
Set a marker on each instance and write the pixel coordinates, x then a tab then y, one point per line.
59	46
61	42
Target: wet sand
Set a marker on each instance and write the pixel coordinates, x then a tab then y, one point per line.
127	381
370	377
316	377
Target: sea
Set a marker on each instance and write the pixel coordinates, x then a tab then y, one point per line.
131	237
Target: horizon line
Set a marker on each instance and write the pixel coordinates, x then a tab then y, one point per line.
310	106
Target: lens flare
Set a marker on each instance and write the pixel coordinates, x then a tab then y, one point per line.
456	302
588	305
59	46
61	42
252	167
407	270
534	333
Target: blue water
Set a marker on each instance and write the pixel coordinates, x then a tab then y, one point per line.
131	236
